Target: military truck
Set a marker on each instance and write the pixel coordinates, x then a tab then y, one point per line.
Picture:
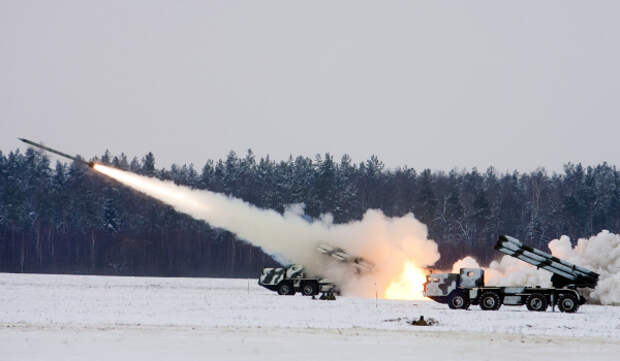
467	287
292	279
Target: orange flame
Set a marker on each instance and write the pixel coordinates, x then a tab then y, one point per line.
409	285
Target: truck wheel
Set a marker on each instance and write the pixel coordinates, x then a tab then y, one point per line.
489	301
458	301
285	289
568	303
309	289
536	302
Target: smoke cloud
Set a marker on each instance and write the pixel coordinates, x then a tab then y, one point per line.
388	242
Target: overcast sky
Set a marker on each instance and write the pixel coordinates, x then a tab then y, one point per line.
431	84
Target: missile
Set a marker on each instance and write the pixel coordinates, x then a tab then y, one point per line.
48	149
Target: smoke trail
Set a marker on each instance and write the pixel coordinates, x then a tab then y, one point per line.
599	253
388	242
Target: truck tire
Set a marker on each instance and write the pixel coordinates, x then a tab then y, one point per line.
310	289
286	289
458	300
537	302
568	303
490	301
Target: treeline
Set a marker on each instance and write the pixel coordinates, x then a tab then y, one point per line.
70	219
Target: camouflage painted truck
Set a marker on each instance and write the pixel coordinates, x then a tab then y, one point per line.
467	287
292	279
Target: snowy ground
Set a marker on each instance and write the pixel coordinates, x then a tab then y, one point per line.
51	317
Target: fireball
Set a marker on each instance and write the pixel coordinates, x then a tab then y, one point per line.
409	285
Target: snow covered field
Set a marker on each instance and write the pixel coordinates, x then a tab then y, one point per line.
52	317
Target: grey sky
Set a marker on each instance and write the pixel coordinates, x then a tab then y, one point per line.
433	84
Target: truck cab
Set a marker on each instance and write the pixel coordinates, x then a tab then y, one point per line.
441	286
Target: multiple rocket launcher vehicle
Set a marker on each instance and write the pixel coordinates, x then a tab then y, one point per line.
292	279
467	287
459	291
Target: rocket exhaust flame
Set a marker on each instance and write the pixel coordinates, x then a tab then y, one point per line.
409	285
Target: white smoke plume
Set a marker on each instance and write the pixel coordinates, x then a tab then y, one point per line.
388	242
599	253
467	262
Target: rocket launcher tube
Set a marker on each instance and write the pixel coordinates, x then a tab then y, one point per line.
546	255
535	259
567	266
572	274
